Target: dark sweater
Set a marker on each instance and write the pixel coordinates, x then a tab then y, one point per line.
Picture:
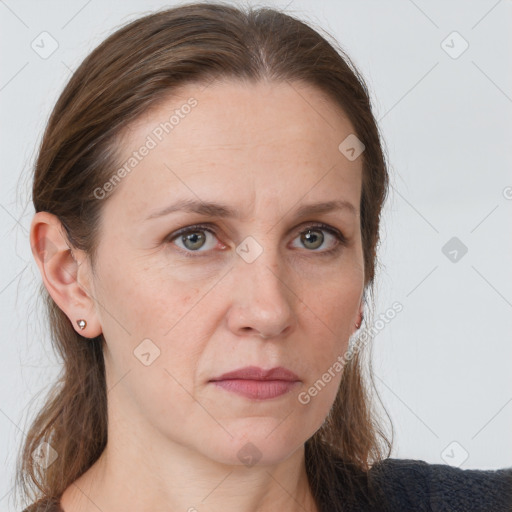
413	485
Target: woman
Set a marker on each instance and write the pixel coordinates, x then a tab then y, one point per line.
208	194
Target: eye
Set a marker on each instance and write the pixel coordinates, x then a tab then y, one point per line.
194	238
313	237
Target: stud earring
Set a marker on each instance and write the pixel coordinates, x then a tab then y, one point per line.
359	324
82	324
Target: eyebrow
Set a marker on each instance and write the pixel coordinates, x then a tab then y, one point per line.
213	209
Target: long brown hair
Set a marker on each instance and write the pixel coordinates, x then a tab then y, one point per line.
134	69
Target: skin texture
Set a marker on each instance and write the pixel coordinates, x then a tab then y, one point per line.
174	437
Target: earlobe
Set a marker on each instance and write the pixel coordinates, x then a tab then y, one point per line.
60	273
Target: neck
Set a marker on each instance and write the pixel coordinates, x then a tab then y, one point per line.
132	474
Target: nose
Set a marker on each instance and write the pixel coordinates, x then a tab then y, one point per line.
262	299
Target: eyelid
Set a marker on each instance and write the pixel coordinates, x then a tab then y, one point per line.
303	227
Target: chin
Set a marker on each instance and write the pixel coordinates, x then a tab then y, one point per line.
262	445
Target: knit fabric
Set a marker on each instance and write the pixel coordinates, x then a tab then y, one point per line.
413	485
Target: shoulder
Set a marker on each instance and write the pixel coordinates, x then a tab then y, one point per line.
420	485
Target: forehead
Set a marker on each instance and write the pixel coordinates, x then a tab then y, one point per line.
239	112
277	140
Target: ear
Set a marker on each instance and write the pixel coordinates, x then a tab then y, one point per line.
359	320
66	272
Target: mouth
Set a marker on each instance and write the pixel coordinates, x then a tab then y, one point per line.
258	384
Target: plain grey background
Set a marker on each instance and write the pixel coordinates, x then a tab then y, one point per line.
441	82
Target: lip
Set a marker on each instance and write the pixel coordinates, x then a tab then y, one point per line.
257	373
258	384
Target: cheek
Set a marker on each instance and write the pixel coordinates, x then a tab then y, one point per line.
329	323
154	350
149	322
147	300
332	309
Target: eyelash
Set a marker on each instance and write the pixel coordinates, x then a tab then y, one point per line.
342	241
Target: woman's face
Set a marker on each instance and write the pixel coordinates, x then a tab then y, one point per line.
248	287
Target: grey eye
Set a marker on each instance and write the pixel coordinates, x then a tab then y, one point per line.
314	237
195	239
